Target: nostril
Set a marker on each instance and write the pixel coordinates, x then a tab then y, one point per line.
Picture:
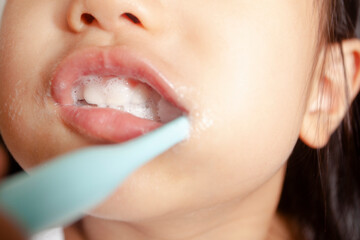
132	18
87	18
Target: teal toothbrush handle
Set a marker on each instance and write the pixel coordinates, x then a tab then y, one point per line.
60	191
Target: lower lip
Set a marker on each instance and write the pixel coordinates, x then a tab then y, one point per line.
105	124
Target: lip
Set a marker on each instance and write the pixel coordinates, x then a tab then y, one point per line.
106	124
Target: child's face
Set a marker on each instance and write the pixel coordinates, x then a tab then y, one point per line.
240	68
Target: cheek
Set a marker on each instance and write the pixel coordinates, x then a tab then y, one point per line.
251	98
27	49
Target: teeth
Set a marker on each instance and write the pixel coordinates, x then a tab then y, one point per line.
140	94
92	96
139	100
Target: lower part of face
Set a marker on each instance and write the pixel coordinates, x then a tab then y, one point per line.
240	68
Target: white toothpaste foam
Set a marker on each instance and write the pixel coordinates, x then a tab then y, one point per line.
140	100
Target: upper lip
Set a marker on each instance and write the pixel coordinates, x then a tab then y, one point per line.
108	61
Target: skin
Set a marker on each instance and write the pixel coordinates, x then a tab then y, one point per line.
243	73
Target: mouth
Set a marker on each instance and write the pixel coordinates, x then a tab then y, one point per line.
112	94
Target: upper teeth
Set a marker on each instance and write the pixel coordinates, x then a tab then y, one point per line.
114	92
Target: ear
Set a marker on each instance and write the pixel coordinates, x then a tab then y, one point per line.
332	93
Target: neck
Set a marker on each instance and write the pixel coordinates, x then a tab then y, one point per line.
249	218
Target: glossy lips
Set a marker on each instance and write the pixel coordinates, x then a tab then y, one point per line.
108	124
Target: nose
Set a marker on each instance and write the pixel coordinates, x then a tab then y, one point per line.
111	14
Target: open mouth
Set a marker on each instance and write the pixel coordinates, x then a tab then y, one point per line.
126	95
112	94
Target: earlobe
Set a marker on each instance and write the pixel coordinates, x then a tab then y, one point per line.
332	93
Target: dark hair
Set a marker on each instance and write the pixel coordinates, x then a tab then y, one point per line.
321	194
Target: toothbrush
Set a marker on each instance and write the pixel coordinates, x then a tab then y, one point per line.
62	190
